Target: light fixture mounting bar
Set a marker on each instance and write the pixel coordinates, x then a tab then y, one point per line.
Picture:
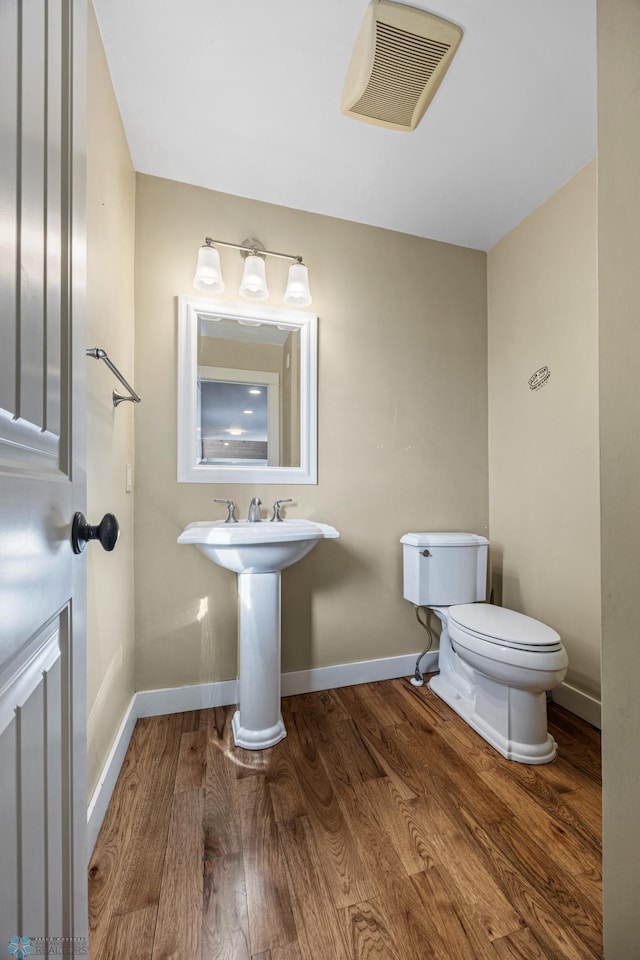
253	250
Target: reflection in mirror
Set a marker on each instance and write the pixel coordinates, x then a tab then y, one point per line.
249	435
248	380
247	404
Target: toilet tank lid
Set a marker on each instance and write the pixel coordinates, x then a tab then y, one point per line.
500	624
443	539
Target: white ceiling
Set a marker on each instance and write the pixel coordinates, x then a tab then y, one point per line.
243	96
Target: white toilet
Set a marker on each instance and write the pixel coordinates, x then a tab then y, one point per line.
495	664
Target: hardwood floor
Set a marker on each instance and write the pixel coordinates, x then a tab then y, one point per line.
381	827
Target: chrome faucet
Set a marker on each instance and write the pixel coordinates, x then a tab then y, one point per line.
254	511
276	509
231	507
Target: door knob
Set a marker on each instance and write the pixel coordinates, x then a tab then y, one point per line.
107	532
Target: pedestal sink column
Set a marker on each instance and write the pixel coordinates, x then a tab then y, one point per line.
257	552
257	723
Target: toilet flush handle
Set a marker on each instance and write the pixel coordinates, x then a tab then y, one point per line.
425	553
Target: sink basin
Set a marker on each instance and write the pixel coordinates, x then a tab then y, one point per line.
257	552
263	547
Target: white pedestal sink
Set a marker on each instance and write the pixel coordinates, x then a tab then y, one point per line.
257	552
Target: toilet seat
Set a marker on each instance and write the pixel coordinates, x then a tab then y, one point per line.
487	623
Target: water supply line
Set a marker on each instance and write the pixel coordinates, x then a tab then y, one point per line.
417	679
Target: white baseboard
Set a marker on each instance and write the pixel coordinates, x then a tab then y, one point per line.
584	705
200	696
347	674
102	794
197	696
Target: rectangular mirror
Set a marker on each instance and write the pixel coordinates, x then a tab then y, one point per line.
247	409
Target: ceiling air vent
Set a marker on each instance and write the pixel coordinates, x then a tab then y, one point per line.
400	58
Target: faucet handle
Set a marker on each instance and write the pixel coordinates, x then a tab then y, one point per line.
276	509
231	517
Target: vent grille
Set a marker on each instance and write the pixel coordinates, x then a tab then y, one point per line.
403	64
400	58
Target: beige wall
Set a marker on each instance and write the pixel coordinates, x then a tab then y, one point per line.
543	444
240	355
110	258
402	431
619	300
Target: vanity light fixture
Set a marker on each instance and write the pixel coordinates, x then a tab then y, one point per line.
254	278
253	286
208	273
297	293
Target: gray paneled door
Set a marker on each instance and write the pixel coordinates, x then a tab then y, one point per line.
42	478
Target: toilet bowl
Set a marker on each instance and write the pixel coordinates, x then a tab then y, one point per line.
495	665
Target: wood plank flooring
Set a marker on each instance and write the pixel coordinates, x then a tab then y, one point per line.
381	827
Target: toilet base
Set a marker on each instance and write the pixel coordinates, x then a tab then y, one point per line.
490	710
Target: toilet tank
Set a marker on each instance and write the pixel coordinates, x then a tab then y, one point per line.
441	569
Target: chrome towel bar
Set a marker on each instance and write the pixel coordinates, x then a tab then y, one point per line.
99	354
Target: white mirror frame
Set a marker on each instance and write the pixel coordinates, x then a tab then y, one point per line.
190	470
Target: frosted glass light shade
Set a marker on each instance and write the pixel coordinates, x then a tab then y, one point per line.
298	293
208	274
254	279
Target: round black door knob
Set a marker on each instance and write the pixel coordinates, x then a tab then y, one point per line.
107	532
